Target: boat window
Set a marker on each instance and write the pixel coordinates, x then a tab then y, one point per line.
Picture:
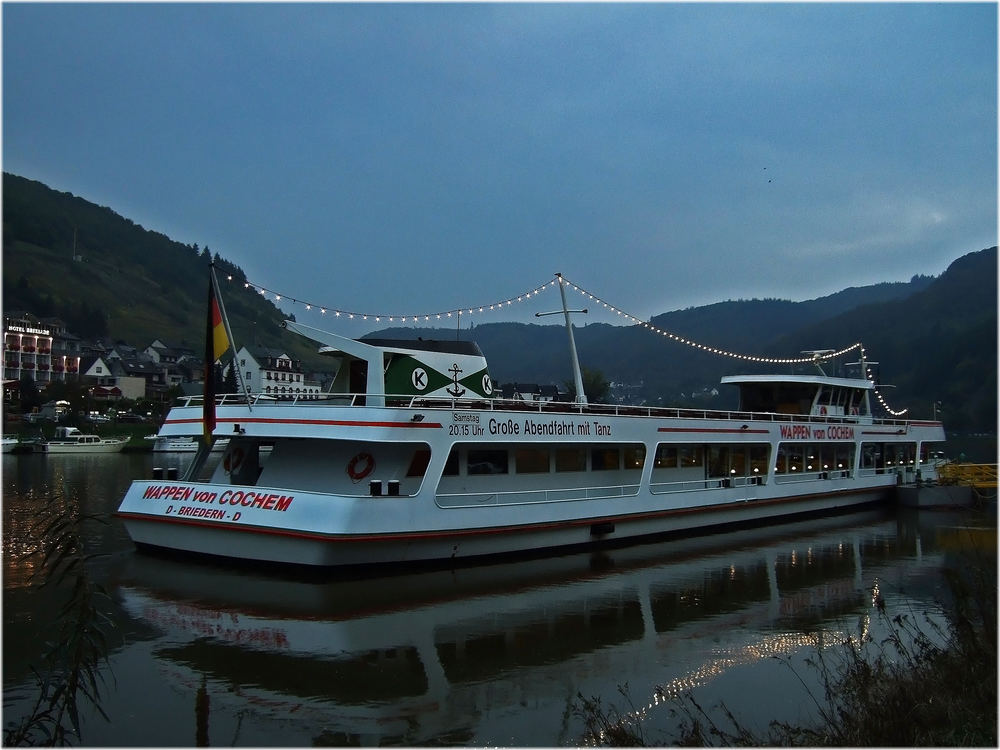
418	464
604	459
571	459
635	456
900	454
531	460
738	460
487	462
814	457
759	459
720	459
790	458
666	456
451	465
843	456
871	455
856	403
691	455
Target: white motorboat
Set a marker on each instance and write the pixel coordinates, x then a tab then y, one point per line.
71	440
181	444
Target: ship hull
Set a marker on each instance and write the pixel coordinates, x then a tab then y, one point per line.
340	487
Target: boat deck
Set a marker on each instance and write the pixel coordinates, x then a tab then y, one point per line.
541	407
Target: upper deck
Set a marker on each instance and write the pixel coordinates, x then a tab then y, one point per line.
804	395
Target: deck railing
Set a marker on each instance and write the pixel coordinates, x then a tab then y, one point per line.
527	497
260	401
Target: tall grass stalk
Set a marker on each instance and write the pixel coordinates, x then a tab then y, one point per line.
71	676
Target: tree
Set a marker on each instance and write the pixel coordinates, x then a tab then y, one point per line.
220	382
232	386
595	386
30	397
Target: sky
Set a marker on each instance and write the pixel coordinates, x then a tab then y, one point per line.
414	158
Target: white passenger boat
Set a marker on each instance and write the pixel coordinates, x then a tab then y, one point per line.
410	457
9	444
71	440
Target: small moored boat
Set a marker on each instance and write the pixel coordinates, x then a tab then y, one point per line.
181	444
71	440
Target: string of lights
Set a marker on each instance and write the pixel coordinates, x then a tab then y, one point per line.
525	296
710	349
815	357
398	318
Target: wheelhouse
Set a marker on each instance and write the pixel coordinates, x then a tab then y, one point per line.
817	396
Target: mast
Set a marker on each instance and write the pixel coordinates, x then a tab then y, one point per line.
581	397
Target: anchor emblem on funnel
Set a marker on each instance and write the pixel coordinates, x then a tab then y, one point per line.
456	390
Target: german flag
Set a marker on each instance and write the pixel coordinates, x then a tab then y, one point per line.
216	344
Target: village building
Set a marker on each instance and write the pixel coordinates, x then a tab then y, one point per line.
272	372
38	351
531	392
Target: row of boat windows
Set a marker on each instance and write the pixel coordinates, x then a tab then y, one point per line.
794	398
722	460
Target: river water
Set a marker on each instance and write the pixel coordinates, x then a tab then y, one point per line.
498	655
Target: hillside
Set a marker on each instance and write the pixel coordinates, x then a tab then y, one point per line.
107	276
935	338
940	344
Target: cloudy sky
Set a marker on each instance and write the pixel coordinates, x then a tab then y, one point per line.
411	158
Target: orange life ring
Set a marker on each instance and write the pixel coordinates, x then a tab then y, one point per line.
368	466
234	457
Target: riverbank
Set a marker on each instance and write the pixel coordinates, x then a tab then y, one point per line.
28	434
929	682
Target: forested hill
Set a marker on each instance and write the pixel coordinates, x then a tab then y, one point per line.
935	338
111	278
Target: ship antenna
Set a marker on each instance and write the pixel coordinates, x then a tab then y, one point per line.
581	397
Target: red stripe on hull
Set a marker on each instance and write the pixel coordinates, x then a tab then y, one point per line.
494	530
324	422
727	430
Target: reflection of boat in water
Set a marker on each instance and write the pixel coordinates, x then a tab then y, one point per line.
413	658
412	458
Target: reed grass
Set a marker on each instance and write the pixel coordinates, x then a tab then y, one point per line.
72	675
925	684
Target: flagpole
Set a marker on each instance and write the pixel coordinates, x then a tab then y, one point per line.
229	335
